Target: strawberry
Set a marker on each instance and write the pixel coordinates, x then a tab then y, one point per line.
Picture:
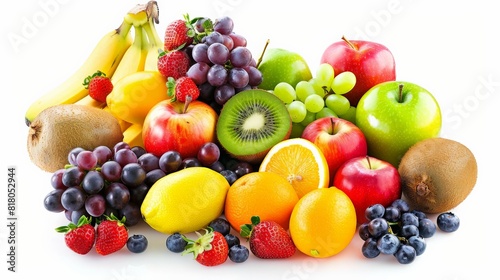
80	237
99	86
210	249
112	235
183	89
268	240
173	64
178	34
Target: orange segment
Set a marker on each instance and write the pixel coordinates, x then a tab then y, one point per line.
299	161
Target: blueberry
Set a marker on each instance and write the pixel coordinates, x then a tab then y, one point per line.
238	253
405	254
231	240
420	215
401	205
417	242
369	248
220	225
363	231
409	219
448	222
378	227
137	243
176	243
374	211
388	244
229	175
426	227
392	214
409	231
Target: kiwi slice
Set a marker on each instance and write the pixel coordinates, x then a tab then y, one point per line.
251	123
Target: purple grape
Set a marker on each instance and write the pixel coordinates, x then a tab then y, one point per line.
148	162
73	199
198	72
217	166
206	92
254	76
72	176
73	154
121	145
138	193
56	179
103	154
132	214
214	37
228	42
218	53
217	75
223	93
190	162
125	156
111	171
93	182
117	195
95	205
240	57
208	154
86	160
153	176
199	53
52	201
238	40
238	78
138	151
170	161
243	168
199	25
224	25
133	175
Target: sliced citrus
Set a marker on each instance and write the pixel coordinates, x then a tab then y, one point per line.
323	222
299	161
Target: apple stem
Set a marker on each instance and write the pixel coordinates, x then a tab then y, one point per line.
400	93
349	43
332	122
186	103
369	163
262	54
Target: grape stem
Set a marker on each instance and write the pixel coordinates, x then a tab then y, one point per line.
349	43
262	54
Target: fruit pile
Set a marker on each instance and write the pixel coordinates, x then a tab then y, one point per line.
192	134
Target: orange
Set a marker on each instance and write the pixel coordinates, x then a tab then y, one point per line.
301	162
323	222
263	194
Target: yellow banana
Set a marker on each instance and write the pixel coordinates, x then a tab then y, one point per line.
105	57
155	43
133	135
123	124
89	101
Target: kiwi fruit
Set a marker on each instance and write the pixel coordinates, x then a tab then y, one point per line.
251	123
437	174
60	128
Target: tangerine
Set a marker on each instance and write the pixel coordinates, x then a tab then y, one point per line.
263	194
323	222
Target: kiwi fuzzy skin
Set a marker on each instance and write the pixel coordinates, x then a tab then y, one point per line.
58	129
437	174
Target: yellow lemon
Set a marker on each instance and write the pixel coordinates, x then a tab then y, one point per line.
185	201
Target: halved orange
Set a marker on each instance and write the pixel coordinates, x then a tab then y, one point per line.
301	162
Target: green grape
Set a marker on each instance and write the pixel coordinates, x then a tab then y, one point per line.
338	103
285	92
343	82
314	103
310	117
297	129
303	89
297	111
325	74
350	115
319	88
325	112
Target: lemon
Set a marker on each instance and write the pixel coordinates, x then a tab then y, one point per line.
185	201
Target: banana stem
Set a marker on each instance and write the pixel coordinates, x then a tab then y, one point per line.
138	36
124	28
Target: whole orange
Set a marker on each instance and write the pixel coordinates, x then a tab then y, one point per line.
264	194
323	222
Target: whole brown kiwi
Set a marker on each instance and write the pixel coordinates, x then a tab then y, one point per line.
59	129
437	174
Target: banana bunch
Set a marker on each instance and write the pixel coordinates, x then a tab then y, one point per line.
119	54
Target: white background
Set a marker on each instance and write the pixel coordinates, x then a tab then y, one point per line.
446	47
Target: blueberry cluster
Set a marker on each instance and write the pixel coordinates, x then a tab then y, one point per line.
237	252
396	230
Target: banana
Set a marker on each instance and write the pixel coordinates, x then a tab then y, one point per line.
89	101
123	124
133	135
155	42
105	57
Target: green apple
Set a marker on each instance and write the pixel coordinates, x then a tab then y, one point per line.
281	65
394	116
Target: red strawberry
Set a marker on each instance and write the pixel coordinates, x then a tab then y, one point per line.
183	89
80	237
99	86
210	249
173	64
268	240
111	236
178	34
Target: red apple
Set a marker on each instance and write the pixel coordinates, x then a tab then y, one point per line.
171	125
372	63
338	139
367	181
